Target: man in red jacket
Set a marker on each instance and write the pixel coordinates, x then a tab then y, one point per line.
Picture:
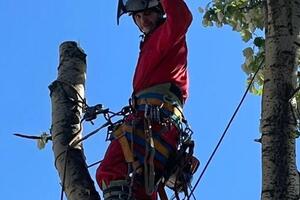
137	159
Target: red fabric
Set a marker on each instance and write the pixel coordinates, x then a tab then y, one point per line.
114	167
163	54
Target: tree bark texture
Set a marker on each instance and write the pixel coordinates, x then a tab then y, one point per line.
279	171
66	96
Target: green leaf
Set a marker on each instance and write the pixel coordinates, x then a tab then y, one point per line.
246	68
251	27
237	27
256	91
205	22
295	134
248	52
226	8
220	16
259	41
246	35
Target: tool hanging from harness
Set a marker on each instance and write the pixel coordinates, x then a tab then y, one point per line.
180	169
151	160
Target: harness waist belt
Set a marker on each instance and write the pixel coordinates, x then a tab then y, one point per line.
172	110
170	91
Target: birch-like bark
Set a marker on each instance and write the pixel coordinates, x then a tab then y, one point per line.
280	175
66	96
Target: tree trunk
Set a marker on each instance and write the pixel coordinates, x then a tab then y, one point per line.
66	96
278	126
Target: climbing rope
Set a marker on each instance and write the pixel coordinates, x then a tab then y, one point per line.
226	129
93	164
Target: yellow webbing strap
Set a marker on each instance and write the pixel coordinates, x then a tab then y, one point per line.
119	134
158	146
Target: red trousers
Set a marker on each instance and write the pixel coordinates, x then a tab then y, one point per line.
114	167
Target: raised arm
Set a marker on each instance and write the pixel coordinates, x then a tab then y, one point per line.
178	20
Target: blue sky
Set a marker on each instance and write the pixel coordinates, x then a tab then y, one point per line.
31	33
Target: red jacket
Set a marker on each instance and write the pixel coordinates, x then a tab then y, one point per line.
163	54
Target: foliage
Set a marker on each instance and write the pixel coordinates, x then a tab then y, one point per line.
247	18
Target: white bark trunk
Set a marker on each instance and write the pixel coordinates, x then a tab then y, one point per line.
66	114
280	175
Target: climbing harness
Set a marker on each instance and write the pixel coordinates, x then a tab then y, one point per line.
157	164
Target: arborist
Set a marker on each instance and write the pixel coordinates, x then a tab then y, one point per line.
144	149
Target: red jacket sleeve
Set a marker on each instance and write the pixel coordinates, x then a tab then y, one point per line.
178	20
